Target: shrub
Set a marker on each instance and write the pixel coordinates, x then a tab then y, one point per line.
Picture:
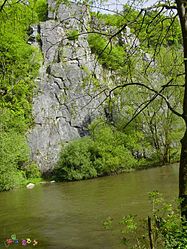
6	180
19	66
74	162
41	9
112	57
73	35
32	171
102	153
164	228
14	154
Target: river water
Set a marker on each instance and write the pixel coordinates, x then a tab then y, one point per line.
70	215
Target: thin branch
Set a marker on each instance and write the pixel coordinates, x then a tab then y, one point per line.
2	6
157	93
159	5
176	85
150	101
106	9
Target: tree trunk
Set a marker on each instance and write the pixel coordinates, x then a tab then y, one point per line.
182	12
183	176
150	233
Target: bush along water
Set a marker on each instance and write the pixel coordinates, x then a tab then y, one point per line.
106	151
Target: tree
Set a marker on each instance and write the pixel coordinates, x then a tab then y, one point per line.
19	65
182	12
158	27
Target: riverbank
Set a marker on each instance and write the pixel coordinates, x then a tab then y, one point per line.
57	174
23	182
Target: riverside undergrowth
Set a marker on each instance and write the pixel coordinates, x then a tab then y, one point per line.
107	150
163	228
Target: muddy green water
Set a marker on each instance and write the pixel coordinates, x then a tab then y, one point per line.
70	215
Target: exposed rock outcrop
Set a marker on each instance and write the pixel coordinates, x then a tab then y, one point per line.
63	104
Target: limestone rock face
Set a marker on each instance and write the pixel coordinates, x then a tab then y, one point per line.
63	103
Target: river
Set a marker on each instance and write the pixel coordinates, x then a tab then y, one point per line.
70	215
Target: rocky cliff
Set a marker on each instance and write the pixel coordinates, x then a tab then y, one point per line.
62	103
66	99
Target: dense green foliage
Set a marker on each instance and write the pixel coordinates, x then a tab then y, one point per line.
105	151
31	171
19	64
111	57
109	149
73	35
13	153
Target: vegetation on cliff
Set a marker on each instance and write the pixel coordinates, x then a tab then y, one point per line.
19	65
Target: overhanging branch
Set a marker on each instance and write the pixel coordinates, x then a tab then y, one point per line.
157	93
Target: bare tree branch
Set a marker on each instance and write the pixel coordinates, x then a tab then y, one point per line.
157	93
160	5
